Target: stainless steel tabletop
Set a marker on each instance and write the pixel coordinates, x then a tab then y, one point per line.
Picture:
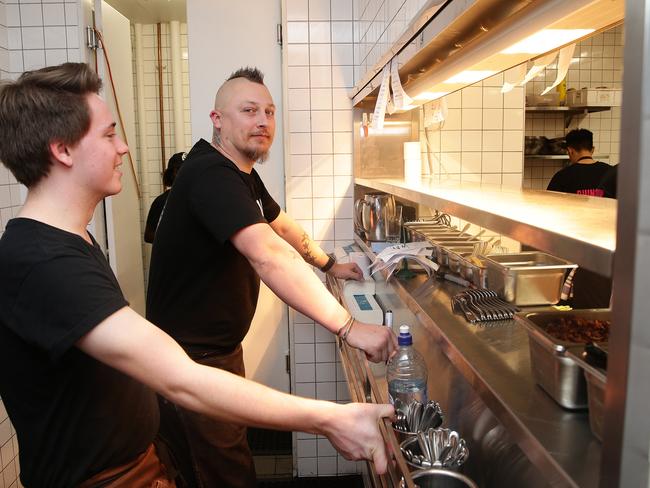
495	359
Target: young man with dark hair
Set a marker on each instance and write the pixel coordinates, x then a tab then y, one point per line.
584	175
220	233
78	367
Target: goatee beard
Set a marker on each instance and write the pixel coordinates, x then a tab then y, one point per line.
256	155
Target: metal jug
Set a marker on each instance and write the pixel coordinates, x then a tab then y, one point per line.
371	213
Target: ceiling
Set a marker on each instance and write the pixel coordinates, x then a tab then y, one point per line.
151	11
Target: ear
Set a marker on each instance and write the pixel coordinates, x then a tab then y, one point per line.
215	117
60	152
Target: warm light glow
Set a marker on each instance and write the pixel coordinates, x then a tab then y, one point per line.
428	96
546	40
470	76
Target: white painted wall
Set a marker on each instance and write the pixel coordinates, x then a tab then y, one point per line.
224	36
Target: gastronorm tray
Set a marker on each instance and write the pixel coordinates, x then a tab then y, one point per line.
596	383
555	371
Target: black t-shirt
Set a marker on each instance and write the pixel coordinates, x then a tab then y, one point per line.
202	290
583	179
74	415
155	212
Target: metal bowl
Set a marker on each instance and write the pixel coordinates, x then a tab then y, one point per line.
440	478
435	448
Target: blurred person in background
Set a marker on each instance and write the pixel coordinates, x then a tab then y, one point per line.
158	205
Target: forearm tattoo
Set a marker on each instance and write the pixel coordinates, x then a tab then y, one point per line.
307	255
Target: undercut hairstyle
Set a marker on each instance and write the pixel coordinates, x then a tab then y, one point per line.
41	107
251	74
580	140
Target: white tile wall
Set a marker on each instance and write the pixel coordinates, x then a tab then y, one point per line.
598	62
152	115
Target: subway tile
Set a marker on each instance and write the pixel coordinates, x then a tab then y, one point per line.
298	77
53	14
299	121
326	391
323	186
307	467
321	142
513	162
454	100
343	230
297	32
342	76
305	373
472	97
491	162
450	162
494	81
325	353
342	120
341	10
319	9
319	32
342	392
299	143
323	231
16	61
492	97
304	353
492	118
492	140
347	467
321	99
471	162
321	121
342	54
306	448
34	59
300	164
320	76
512	180
31	15
299	187
450	141
513	140
343	142
514	98
326	372
471	140
55	37
323	209
299	99
322	165
297	9
493	179
472	118
14	38
32	38
320	55
470	178
72	14
341	32
343	207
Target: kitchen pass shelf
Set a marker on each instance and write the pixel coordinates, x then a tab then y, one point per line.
567	112
563	157
578	228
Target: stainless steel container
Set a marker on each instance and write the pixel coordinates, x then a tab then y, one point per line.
596	383
555	371
527	278
371	214
440	478
442	252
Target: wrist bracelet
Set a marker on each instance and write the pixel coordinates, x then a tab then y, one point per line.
347	322
328	265
347	332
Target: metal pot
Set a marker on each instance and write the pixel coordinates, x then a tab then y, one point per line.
371	213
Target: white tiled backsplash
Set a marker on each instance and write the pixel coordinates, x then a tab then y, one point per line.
598	61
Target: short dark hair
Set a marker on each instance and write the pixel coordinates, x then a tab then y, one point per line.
40	107
580	139
251	74
173	165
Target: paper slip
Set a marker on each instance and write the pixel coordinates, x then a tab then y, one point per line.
382	100
563	62
411	248
401	99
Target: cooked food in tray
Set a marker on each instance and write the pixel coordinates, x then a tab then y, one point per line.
578	329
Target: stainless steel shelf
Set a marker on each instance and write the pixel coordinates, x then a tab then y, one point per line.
561	156
578	228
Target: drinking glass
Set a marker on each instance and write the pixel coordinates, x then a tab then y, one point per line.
394	226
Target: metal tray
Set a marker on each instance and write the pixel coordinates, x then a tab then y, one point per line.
527	278
596	383
557	373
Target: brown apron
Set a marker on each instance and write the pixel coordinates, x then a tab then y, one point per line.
146	471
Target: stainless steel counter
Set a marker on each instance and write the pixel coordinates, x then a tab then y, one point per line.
578	228
492	362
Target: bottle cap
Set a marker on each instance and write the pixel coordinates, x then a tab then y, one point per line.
404	338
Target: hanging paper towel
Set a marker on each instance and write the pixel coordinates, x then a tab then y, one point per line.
563	62
412	161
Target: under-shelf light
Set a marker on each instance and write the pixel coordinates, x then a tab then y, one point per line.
429	96
470	76
546	40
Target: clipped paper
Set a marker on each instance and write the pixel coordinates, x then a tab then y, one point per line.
563	62
400	98
538	66
382	101
521	74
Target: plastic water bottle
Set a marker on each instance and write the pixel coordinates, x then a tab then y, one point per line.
407	371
